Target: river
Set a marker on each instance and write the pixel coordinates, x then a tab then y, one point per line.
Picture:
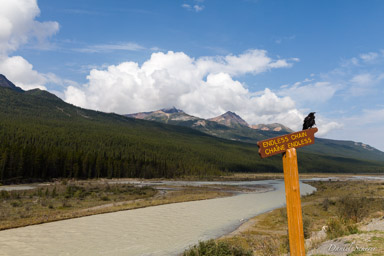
153	231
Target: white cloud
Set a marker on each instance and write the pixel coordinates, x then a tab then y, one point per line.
364	84
362	79
314	93
363	59
356	84
18	24
195	7
367	57
365	127
75	95
203	87
350	62
368	117
285	38
252	61
326	126
186	6
17	27
126	46
21	73
358	77
198	8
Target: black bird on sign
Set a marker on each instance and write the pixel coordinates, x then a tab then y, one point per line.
309	121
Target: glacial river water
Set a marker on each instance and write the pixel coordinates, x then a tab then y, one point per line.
156	231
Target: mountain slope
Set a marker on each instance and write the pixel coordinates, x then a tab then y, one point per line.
42	137
232	127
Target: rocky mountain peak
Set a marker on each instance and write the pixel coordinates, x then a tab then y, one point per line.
172	110
230	119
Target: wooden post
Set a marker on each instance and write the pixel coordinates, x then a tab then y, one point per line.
287	145
292	193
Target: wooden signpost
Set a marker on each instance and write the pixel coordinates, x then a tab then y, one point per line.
287	145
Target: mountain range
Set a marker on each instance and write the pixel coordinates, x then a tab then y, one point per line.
228	119
231	126
42	137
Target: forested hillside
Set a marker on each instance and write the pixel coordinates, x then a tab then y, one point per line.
42	137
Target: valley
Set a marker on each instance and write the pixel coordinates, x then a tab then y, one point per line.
43	138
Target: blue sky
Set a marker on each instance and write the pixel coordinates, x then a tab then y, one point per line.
269	61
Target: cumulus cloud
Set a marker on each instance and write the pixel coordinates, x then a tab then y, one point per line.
18	24
17	27
204	87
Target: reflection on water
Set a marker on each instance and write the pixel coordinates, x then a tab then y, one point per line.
159	230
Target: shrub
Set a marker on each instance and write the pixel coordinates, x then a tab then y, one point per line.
325	204
44	202
353	208
338	227
270	246
307	227
66	204
213	248
54	193
79	194
73	191
17	204
105	198
4	194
